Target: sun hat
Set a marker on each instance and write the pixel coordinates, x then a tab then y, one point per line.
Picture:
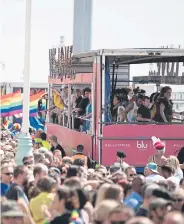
153	167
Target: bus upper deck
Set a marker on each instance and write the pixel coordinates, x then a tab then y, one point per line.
106	71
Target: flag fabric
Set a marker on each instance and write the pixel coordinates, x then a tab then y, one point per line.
57	100
34	103
11	104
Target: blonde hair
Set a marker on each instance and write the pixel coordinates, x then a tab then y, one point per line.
104	209
114	192
173	161
101	193
178	193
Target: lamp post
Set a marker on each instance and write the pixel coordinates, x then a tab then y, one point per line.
24	140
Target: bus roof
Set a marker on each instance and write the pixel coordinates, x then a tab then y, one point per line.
137	55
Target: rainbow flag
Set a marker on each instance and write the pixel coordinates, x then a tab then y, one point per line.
11	104
34	103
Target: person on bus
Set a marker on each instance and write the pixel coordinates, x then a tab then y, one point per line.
78	99
118	111
153	100
81	110
143	112
131	109
164	106
88	115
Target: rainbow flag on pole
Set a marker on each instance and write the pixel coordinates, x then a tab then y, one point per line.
33	109
11	104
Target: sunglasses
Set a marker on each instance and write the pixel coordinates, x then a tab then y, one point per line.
8	174
120	222
133	175
178	200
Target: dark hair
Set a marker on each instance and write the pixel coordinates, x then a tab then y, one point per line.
53	138
168	169
145	98
43	136
181	181
154	97
162	193
25	158
72	171
72	182
67	194
87	89
38	169
164	90
64	193
140	96
80	148
46	184
181	155
18	170
78	162
118	98
33	192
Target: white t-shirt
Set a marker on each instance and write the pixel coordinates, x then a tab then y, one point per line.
120	109
178	174
154	178
132	115
174	180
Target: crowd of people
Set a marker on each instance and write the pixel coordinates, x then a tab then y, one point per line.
126	106
51	187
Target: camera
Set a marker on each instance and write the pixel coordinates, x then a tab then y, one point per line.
121	154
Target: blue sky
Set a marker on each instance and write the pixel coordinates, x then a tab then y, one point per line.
116	24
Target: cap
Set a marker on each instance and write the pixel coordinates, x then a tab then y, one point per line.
158	203
159	145
152	167
10	208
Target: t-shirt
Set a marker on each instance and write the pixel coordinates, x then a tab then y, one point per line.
60	148
46	144
4	189
142	212
133	201
82	105
36	204
16	192
144	112
154	178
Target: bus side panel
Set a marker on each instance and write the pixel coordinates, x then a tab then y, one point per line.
135	141
69	139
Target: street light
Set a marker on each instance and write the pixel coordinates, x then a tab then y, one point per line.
24	140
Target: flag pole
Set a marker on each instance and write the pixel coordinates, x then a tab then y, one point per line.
25	142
